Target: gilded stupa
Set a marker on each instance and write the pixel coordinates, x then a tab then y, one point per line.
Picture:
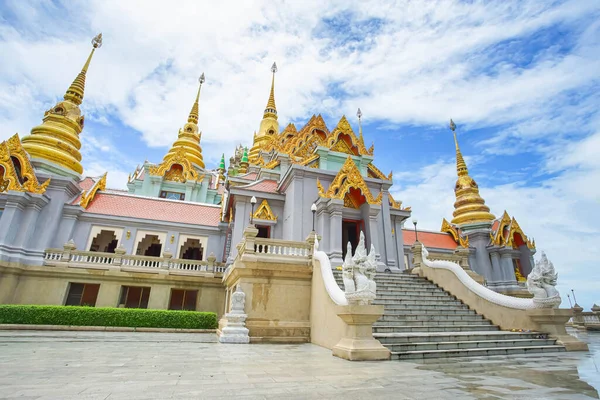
469	206
268	125
188	140
54	145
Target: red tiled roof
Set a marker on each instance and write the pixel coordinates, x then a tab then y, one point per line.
86	183
264	185
154	209
251	176
430	239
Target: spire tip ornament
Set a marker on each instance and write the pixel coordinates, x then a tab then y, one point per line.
274	67
97	41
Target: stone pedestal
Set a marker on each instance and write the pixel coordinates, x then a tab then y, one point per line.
233	324
552	321
358	343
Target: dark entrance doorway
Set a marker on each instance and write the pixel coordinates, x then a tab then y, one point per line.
351	233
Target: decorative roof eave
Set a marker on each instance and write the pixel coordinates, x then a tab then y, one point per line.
11	181
344	127
395	205
177	157
348	177
264	212
87	197
454	231
376	172
515	228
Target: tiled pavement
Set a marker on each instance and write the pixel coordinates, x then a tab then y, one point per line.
112	365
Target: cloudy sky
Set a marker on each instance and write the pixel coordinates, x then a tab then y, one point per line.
521	80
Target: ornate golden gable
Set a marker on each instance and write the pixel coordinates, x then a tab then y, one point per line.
498	238
11	180
177	157
272	164
453	230
374	172
515	228
348	177
88	196
396	205
343	127
264	212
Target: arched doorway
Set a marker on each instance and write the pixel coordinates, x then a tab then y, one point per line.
150	246
191	249
105	242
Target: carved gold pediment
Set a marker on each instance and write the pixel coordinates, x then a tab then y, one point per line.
264	212
164	169
87	197
453	230
21	179
348	177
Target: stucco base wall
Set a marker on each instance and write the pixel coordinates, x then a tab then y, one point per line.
21	284
277	299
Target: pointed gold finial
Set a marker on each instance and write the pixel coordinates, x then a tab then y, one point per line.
360	136
461	166
75	91
271	108
193	118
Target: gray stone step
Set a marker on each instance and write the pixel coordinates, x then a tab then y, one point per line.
415	301
418	295
431	317
480	344
434	328
476	352
429	323
416	306
432	311
421	337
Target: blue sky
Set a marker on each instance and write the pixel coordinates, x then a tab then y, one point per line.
520	79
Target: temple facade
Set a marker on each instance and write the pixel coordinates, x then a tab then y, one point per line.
165	241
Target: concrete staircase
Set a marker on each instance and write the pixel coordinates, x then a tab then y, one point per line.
423	321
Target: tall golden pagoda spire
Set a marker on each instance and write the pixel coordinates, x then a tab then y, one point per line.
360	136
269	125
188	140
54	145
469	206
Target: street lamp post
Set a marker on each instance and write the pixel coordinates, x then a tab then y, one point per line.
414	221
313	208
253	202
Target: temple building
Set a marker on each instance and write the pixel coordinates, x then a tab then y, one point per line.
165	241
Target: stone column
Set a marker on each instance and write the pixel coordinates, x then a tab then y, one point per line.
334	206
30	219
67	224
388	227
578	321
12	216
507	268
496	269
479	239
323	224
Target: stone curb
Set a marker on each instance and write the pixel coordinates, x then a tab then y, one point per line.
18	327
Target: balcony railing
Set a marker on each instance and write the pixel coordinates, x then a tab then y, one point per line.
71	257
273	250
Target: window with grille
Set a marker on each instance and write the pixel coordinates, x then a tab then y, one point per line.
172	195
134	297
82	294
183	299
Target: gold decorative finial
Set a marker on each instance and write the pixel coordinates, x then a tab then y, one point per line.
75	91
469	206
193	118
360	136
271	109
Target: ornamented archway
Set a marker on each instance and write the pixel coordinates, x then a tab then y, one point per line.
105	242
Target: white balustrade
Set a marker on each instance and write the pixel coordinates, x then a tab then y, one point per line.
273	247
53	255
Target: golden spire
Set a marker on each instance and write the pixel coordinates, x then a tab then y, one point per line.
469	206
193	118
360	136
54	145
269	125
271	108
75	91
188	140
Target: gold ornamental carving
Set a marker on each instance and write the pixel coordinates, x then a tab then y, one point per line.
512	226
453	230
87	197
21	179
396	205
264	212
188	173
348	177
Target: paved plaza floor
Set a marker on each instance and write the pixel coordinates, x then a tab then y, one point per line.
111	365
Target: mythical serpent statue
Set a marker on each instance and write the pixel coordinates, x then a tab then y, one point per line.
541	283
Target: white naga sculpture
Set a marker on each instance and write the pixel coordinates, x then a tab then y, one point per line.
235	331
358	273
541	283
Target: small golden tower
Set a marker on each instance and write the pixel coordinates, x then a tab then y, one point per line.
54	145
269	125
469	206
189	135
